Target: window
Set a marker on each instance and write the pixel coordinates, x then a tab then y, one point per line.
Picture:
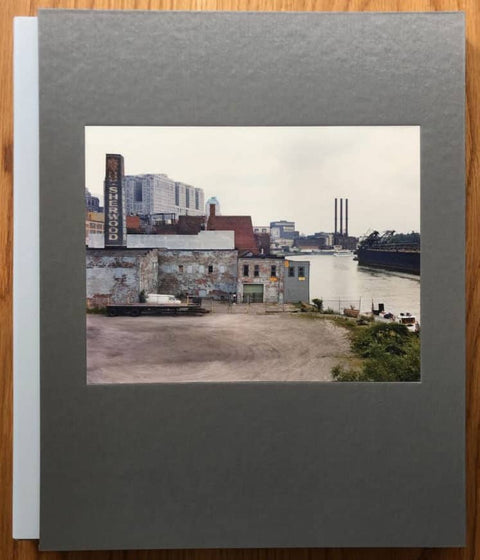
210	269
246	270
197	200
189	269
256	271
180	268
187	197
222	269
301	271
273	271
177	194
291	271
138	192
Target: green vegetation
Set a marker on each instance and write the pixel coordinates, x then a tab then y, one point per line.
96	310
318	303
389	352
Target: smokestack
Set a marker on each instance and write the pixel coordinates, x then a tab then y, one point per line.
346	217
212	210
341	216
336	217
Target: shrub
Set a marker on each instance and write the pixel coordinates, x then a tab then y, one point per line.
318	303
328	311
391	353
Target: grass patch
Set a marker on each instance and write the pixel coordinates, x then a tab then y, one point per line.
389	352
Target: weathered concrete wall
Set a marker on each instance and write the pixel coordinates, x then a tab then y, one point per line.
148	272
297	287
182	272
115	276
273	286
203	241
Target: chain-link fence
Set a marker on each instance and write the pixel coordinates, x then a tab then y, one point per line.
339	305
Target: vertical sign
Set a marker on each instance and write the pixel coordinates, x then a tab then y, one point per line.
115	221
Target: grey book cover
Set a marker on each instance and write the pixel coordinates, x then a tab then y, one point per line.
202	465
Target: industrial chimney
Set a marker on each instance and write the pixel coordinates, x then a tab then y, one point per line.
346	217
341	216
335	219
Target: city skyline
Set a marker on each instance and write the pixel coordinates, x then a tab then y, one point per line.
274	173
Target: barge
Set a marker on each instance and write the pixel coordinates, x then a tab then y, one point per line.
380	251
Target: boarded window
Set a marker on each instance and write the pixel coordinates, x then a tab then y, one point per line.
180	268
189	269
222	268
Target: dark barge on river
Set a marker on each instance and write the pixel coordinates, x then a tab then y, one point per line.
381	251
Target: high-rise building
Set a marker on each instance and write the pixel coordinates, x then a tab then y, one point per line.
159	194
92	203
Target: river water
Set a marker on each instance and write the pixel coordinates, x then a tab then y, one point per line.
340	282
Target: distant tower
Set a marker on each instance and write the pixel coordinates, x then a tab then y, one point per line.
212	200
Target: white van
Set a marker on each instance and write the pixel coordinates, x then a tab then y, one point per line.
163	299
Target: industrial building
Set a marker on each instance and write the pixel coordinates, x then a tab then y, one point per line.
94	225
205	274
297	281
245	242
282	229
216	257
119	275
282	236
260	280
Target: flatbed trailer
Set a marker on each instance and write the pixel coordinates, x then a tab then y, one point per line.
137	309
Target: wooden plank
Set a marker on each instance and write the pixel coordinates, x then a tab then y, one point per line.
27	550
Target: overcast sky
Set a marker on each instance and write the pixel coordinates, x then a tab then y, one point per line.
273	173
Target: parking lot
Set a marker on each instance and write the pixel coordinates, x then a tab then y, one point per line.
212	348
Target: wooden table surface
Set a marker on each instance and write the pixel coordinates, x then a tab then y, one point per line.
27	550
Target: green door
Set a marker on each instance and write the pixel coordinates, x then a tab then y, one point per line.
253	293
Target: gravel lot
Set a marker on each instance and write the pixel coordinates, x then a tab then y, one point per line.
214	347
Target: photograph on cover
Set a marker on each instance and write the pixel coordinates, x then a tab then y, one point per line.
218	254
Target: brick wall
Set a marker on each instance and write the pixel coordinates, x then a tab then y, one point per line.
182	272
119	276
273	286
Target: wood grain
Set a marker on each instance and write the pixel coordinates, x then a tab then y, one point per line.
27	550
